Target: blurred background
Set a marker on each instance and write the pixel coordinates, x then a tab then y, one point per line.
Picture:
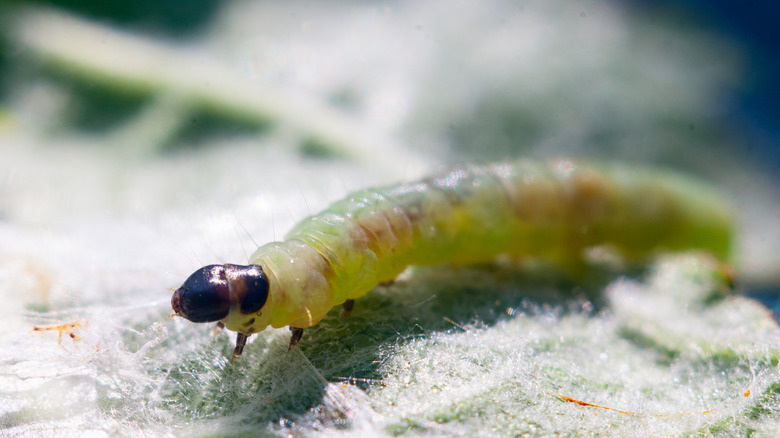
142	140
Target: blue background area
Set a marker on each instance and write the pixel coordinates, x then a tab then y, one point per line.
755	26
755	112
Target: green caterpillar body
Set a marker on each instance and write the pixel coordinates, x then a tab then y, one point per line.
553	210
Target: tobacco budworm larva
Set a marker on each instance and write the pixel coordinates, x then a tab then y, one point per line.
553	210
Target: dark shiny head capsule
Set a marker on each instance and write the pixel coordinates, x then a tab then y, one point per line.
209	293
204	296
248	285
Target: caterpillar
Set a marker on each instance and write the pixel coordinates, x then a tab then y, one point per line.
554	210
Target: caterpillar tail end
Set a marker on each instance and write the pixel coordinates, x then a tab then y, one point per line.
297	333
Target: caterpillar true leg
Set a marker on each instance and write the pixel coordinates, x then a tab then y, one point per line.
297	332
240	342
218	328
347	307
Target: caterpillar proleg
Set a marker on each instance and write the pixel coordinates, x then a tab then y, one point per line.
554	210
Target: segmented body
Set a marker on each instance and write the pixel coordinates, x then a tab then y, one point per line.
554	210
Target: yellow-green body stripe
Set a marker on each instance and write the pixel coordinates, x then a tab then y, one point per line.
553	210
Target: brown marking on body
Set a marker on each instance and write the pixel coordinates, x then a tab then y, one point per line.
537	198
588	194
363	236
379	234
401	227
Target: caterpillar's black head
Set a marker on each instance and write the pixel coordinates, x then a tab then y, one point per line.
209	293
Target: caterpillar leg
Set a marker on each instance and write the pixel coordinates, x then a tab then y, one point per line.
217	329
296	336
347	307
728	275
240	342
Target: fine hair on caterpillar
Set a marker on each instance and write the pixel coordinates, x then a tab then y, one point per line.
554	210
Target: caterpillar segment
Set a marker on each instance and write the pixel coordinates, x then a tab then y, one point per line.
554	210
